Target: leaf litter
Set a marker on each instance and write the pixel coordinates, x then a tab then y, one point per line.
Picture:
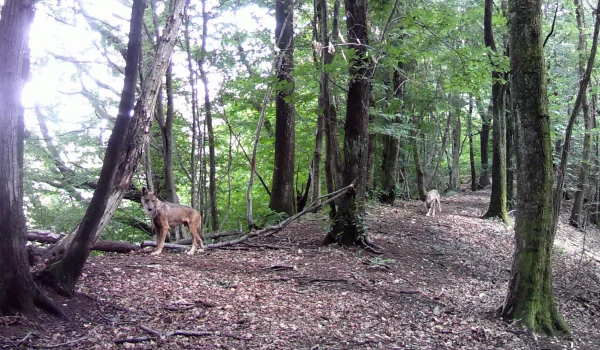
436	286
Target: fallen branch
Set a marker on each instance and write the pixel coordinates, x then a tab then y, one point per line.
70	342
182	332
42	236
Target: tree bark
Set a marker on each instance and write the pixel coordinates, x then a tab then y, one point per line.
456	150
497	206
212	177
333	159
471	153
195	119
510	152
529	297
18	291
348	224
391	145
484	142
417	158
128	159
564	157
432	178
577	219
282	191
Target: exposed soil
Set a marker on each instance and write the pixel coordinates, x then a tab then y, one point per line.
437	286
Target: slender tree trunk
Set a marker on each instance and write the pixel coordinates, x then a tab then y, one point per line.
391	145
194	93
497	206
18	291
212	177
333	159
471	153
576	219
456	145
417	158
137	133
484	142
167	137
440	153
348	224
371	150
530	297
282	191
63	275
564	157
510	151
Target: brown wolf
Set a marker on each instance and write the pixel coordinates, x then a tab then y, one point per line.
433	197
165	215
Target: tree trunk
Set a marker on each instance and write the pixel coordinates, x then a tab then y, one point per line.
348	224
195	121
18	291
510	151
529	297
417	158
128	158
564	156
391	145
441	152
577	219
456	145
212	177
497	206
484	142
282	191
333	163
471	153
371	150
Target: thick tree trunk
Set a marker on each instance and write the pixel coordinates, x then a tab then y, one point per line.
371	150
18	291
577	219
348	224
530	297
64	275
282	191
497	206
212	171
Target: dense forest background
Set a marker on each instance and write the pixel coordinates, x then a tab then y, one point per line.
262	108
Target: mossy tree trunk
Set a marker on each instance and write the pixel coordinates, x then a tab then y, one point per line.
348	224
510	152
529	297
497	206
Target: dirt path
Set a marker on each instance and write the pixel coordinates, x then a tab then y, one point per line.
436	286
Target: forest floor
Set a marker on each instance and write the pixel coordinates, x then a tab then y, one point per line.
437	286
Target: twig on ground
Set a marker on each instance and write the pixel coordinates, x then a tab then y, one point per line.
54	346
279	267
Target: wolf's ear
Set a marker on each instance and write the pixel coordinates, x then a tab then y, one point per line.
144	191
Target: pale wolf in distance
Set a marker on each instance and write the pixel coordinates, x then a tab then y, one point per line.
165	215
433	197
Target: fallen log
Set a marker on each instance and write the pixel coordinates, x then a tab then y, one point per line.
49	237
